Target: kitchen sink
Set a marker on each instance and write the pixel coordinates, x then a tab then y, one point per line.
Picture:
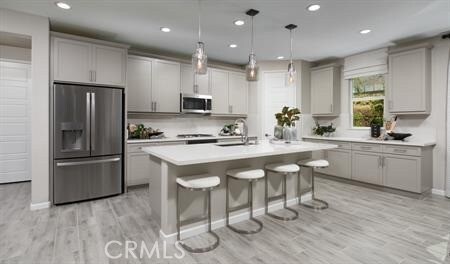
235	144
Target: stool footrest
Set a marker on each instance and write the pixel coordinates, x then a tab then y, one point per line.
203	249
248	232
320	206
295	216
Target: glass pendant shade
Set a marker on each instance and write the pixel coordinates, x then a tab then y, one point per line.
200	59
291	75
251	70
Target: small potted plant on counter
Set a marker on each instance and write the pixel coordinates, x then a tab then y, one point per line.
285	128
325	131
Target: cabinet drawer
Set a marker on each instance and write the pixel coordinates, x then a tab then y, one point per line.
340	144
403	150
366	147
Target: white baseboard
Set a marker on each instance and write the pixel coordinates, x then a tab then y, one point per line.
236	218
38	206
438	192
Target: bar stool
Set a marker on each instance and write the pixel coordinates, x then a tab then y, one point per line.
197	183
314	164
250	176
285	170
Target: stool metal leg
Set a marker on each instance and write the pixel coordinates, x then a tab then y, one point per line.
250	205
216	237
284	196
315	203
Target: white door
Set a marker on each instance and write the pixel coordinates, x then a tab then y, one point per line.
238	93
72	61
109	65
276	96
187	79
219	91
166	86
14	122
139	84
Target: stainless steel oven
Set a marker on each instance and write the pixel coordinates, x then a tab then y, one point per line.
195	103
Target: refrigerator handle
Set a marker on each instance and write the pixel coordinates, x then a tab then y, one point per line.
93	122
88	121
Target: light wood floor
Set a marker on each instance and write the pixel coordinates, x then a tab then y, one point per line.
361	226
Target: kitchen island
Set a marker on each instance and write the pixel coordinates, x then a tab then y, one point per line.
170	162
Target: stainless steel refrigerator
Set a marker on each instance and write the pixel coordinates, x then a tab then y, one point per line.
87	142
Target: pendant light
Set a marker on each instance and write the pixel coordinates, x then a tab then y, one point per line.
251	70
199	58
291	74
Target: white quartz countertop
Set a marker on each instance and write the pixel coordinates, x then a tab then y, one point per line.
205	153
374	141
172	139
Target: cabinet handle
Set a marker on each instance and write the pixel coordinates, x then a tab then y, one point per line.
366	148
95	75
400	150
155	106
230	109
380	162
391	104
90	76
331	108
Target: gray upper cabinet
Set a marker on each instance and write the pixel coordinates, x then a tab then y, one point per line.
187	81
219	91
85	62
410	81
139	84
238	93
325	90
166	86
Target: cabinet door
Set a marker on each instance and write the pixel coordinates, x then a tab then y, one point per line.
138	169
139	84
367	167
166	86
322	82
203	83
187	79
219	91
408	81
340	163
109	64
72	61
238	93
402	172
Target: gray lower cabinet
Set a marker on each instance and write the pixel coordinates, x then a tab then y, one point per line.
366	167
340	163
402	172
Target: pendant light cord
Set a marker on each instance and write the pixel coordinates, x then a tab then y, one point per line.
199	21
290	32
252	38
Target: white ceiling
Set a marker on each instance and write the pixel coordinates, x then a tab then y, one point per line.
333	31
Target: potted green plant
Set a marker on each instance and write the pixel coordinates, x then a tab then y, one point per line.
285	128
326	131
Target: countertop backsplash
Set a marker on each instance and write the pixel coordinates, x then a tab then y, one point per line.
172	126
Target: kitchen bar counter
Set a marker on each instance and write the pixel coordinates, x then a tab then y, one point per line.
174	139
173	161
374	141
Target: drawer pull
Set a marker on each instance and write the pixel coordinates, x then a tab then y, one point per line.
366	148
400	150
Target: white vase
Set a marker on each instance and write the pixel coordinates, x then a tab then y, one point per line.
278	132
289	134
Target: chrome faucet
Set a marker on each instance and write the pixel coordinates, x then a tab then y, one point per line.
244	134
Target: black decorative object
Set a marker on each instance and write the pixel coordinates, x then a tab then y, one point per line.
399	136
375	131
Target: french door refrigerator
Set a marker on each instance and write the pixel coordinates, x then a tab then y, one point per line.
87	142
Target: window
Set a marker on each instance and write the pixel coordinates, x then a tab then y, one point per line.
367	100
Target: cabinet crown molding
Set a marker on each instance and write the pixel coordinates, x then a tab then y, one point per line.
54	34
423	45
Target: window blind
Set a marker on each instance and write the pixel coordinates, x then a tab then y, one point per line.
367	63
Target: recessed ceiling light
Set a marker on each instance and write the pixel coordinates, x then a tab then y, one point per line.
232	46
365	31
62	5
239	22
313	7
280	57
165	29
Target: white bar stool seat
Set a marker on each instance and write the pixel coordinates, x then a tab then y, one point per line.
250	175
285	169
197	183
314	164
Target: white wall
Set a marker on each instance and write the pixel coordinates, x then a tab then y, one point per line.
172	126
15	53
38	28
432	127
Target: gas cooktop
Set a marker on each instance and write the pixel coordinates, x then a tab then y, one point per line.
194	135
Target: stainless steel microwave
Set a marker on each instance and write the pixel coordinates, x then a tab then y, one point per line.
195	103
